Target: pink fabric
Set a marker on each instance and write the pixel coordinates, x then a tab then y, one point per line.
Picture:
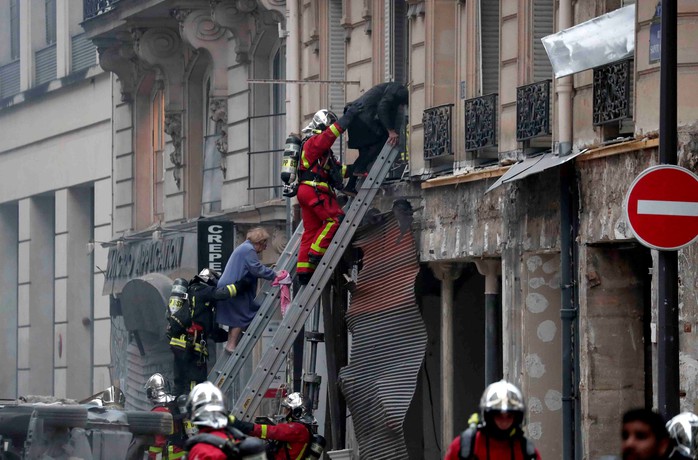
283	279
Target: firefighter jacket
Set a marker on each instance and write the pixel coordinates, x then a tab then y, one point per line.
490	447
293	437
317	161
167	446
204	451
200	320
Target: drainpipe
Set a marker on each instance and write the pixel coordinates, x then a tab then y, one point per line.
491	270
568	233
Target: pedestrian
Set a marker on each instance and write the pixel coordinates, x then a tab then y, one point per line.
216	439
499	435
244	264
319	175
170	446
292	437
376	124
645	437
191	326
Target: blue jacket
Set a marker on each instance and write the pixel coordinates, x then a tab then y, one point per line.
240	310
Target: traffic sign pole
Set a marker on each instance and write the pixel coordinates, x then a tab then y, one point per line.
667	266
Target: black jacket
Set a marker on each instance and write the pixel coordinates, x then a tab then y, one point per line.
378	115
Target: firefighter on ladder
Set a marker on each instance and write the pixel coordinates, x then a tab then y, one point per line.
319	175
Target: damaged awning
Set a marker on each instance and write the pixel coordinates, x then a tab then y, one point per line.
533	165
596	42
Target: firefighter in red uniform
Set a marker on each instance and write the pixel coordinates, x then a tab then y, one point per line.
500	437
319	175
170	446
291	439
217	440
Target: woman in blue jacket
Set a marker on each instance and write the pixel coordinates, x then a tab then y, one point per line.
237	312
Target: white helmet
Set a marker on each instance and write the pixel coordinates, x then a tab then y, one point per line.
157	390
297	405
206	407
208	276
321	121
683	429
500	397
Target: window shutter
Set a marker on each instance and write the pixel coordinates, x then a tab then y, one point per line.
543	14
337	56
489	30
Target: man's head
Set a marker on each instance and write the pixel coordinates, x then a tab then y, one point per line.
502	409
644	435
259	237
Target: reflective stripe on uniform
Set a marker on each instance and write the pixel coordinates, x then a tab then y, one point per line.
335	131
264	432
314	183
302	452
305	265
171	454
232	290
304	160
155	450
316	245
180	341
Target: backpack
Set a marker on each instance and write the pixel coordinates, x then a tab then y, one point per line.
179	321
467	445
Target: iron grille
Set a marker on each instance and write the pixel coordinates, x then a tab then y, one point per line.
612	92
533	110
437	131
481	122
93	8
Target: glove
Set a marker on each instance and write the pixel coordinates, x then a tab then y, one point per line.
242	285
243	427
350	111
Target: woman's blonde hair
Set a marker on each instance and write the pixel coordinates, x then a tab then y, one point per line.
257	235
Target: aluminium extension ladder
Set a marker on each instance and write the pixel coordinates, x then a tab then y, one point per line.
302	305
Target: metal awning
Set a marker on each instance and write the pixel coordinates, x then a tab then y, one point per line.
593	43
533	165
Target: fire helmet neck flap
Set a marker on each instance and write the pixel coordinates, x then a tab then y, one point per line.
157	390
206	407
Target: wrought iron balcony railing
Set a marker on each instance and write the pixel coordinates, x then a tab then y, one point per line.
437	131
533	110
481	122
93	8
612	92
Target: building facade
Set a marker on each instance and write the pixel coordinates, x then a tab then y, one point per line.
528	268
55	201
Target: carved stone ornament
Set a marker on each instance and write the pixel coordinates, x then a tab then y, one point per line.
239	19
173	128
163	49
219	115
120	58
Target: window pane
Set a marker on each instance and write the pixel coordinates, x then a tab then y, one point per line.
14	28
50	21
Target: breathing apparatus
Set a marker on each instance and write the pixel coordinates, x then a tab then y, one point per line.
289	165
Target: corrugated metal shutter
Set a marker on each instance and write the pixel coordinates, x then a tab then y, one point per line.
9	79
337	56
543	14
489	26
45	61
388	340
83	53
395	39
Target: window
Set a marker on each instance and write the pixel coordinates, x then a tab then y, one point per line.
14	29
158	142
50	21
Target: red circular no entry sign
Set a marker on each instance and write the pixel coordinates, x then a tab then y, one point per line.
662	207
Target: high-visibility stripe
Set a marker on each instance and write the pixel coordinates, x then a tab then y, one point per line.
316	245
232	290
305	265
313	183
344	170
302	452
155	450
264	432
180	341
335	130
174	455
304	160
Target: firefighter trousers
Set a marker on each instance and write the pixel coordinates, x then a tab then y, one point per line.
189	369
321	216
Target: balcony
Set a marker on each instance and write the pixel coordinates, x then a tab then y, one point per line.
533	111
438	140
481	122
93	8
612	93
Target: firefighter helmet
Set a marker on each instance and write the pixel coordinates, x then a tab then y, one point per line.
157	390
206	407
297	406
502	397
683	429
113	398
321	121
208	276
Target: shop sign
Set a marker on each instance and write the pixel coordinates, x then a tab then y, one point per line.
215	244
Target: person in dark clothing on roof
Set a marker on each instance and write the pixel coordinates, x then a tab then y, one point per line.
376	124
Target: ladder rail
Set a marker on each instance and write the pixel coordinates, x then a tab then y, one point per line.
228	366
303	304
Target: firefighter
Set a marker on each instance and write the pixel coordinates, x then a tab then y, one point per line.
319	175
499	436
216	440
290	439
171	446
192	325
